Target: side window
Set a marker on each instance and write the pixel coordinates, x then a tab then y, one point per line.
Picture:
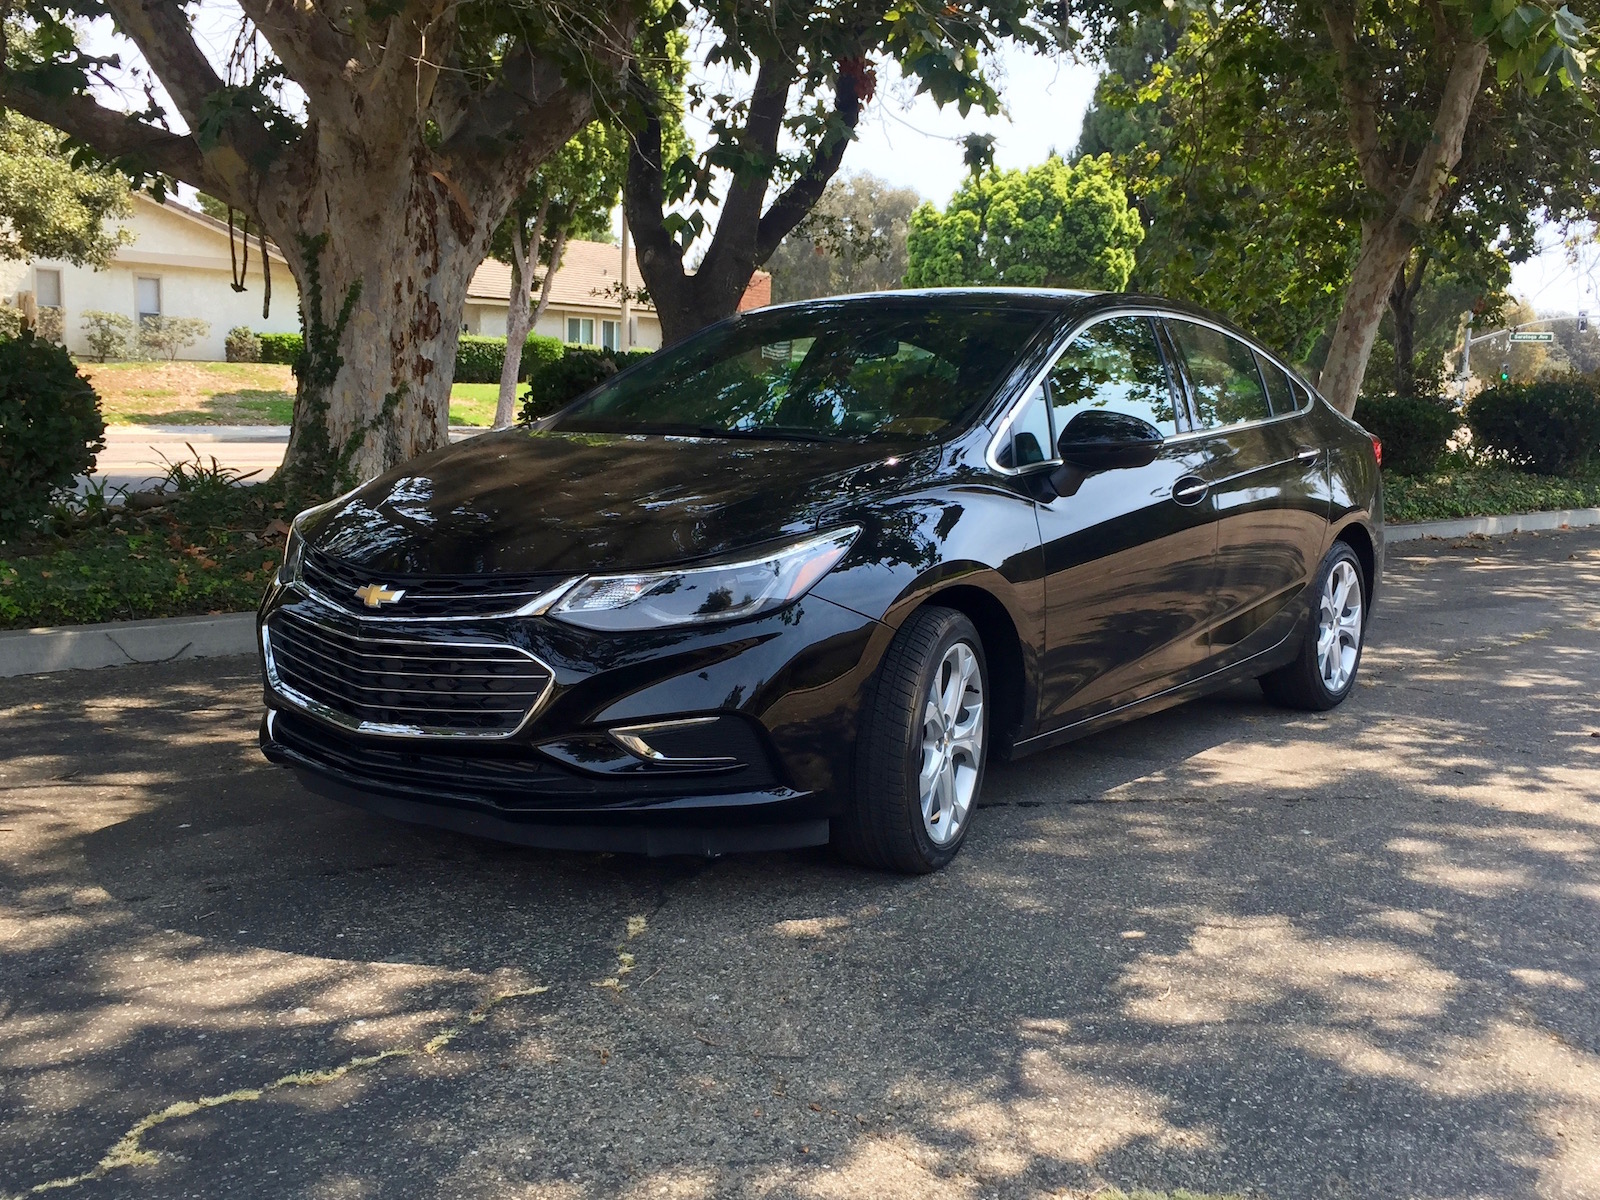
1281	393
1030	441
1227	385
1115	365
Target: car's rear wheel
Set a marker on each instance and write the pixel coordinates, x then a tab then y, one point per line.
921	750
1324	671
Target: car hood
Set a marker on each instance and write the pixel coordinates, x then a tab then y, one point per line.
528	500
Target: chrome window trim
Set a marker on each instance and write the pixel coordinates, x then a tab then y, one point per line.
339	720
1003	430
537	607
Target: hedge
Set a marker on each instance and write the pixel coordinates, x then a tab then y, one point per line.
478	359
50	429
1551	427
1414	430
280	347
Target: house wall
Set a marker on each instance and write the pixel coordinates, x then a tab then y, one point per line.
488	319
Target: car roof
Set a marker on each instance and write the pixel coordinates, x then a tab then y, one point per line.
1030	299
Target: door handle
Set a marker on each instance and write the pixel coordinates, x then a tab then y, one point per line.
1190	490
1310	455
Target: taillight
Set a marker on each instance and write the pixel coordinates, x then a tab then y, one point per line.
1377	449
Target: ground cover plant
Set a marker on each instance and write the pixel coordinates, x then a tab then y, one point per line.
1482	490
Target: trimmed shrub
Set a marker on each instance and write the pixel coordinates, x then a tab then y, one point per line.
1551	427
168	335
559	383
10	320
1414	430
50	429
280	347
242	345
51	323
539	351
110	335
480	359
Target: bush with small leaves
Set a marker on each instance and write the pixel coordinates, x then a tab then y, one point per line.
50	324
554	385
109	334
1551	427
10	321
281	347
1414	430
170	335
241	345
50	429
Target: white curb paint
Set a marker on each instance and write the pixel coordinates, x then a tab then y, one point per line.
40	651
1566	518
119	643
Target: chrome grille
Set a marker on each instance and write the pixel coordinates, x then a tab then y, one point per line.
404	687
426	596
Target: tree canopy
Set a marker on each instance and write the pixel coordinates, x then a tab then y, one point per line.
50	208
1053	225
854	240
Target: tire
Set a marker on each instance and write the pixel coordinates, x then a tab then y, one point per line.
906	741
1323	673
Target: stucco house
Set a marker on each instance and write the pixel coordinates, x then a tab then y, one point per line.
177	265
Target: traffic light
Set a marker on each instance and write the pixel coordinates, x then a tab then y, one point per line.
1505	372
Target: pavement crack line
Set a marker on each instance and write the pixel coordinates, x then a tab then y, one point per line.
129	1150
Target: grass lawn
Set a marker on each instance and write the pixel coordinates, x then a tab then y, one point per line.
222	393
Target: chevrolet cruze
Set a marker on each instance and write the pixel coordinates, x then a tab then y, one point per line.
798	579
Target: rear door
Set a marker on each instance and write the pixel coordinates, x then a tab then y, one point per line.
1128	554
1266	477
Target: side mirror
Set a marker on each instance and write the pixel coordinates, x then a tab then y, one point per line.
1097	440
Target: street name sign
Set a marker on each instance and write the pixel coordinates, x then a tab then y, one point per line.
1543	335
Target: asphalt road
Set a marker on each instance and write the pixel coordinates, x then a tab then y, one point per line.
1227	948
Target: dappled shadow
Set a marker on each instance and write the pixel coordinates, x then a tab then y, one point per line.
1223	948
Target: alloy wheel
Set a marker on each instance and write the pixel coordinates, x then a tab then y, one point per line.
1339	627
952	743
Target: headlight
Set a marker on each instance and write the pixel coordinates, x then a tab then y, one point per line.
724	592
294	546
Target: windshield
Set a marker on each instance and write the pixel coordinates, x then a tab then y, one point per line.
846	371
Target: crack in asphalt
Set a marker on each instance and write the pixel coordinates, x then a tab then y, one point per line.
129	1150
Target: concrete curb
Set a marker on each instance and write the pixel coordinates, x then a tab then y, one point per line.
119	643
1565	518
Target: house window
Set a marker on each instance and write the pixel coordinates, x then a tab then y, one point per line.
611	334
147	294
47	288
580	331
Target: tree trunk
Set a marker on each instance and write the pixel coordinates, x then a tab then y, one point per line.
1403	309
519	316
1388	239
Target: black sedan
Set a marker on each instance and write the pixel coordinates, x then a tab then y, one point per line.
797	579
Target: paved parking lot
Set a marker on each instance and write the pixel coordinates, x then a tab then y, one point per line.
1226	949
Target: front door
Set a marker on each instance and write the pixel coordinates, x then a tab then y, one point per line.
1129	554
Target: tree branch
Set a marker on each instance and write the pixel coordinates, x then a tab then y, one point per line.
1430	178
739	221
801	196
120	136
312	49
162	33
1360	105
642	196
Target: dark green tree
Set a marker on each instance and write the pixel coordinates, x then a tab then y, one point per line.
854	240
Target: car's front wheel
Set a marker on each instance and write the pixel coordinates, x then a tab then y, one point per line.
1324	671
922	746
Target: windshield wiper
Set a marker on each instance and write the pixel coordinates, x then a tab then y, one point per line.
767	433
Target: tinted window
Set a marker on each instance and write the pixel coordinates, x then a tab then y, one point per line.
1114	365
1280	392
837	371
1030	441
1227	386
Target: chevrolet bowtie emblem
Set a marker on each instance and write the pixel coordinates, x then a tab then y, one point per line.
375	595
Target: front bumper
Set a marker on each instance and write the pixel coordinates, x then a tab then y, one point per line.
773	704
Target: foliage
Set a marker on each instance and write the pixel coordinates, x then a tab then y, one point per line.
1054	225
10	320
771	147
854	240
242	345
559	383
170	335
1482	490
480	359
110	335
211	547
50	324
52	207
50	429
281	347
1414	430
1550	427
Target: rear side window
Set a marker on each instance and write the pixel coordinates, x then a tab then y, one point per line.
1227	384
1113	365
1281	392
